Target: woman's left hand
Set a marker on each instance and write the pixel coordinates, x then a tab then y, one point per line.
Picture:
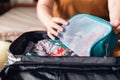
116	26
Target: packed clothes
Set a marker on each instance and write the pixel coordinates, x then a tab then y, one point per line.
50	47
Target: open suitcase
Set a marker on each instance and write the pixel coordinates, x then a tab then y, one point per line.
57	68
25	67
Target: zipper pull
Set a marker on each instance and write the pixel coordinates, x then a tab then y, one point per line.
106	49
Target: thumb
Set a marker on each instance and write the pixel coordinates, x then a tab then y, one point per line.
115	23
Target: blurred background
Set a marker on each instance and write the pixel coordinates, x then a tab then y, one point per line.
7	4
17	16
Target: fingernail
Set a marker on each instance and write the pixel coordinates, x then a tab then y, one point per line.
66	23
61	29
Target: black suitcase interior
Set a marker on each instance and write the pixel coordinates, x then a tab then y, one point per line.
59	67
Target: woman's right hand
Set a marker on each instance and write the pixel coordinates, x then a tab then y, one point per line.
54	25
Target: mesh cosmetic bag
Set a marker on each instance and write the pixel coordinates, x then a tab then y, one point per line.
86	34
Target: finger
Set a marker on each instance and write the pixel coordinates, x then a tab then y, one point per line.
51	36
117	30
54	32
57	27
115	23
60	21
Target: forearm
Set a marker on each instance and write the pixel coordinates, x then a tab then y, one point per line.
44	13
114	9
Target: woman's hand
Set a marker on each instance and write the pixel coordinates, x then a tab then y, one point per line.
114	14
116	26
54	25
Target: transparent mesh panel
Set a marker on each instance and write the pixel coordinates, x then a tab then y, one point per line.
82	33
